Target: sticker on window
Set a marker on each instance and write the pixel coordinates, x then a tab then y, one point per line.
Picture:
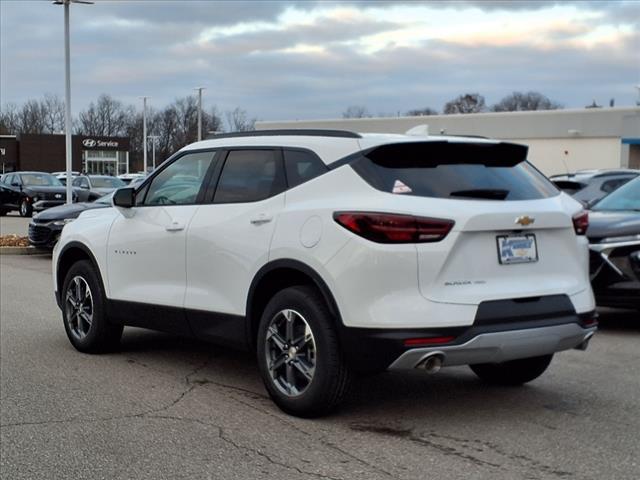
400	187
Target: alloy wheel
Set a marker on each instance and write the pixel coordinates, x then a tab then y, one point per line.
290	350
79	307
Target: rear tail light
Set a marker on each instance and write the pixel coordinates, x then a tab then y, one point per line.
393	228
581	222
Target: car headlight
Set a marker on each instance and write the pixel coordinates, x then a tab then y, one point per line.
61	223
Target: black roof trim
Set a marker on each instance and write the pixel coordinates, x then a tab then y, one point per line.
301	132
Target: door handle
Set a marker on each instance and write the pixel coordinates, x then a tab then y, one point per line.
174	227
261	219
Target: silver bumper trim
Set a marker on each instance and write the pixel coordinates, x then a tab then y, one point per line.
501	346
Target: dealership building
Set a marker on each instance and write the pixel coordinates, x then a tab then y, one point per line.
46	153
560	141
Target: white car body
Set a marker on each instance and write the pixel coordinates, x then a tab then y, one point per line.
206	258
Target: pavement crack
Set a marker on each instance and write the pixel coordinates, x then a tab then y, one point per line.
272	460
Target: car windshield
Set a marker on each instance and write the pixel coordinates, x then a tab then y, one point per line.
107	182
40	180
626	197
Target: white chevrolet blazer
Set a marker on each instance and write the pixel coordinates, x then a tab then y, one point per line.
330	253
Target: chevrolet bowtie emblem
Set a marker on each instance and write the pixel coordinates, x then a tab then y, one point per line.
525	220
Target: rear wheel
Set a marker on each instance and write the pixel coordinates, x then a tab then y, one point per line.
25	209
514	372
84	313
299	356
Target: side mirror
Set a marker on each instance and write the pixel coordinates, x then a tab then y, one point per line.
124	197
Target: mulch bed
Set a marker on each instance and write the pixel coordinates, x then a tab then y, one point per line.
13	241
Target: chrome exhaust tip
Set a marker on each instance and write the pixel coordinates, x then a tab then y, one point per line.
431	363
585	343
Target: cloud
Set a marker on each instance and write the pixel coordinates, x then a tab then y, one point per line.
311	59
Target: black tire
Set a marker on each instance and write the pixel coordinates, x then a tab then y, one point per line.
26	209
3	212
514	372
101	335
330	379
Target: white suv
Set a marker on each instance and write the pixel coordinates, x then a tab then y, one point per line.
330	253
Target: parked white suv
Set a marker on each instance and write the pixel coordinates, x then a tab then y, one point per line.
330	253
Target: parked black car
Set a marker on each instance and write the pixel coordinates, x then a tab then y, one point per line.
614	243
45	227
31	191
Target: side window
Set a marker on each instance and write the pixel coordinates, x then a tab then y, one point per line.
249	176
611	185
76	181
180	182
302	166
9	179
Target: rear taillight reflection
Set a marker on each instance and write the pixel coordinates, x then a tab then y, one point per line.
581	222
394	228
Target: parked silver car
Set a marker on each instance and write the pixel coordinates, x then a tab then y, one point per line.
98	185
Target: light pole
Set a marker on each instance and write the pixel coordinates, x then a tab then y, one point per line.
144	132
67	92
199	89
153	139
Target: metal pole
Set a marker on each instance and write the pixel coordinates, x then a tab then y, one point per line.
153	149
199	89
67	102
144	132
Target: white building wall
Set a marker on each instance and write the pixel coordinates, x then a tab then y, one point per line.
563	155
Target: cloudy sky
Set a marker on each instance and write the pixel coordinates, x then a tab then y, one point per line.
311	59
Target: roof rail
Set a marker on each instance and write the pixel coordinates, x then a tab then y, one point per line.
303	132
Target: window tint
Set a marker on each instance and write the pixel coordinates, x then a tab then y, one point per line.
40	180
460	171
249	176
609	186
180	182
302	166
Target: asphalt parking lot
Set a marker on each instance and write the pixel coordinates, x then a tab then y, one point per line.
168	407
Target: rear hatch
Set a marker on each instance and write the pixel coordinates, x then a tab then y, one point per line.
513	236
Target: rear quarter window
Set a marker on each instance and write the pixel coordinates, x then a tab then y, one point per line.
454	170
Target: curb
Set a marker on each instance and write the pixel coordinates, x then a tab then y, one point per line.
22	251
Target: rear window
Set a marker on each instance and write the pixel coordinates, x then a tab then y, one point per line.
454	170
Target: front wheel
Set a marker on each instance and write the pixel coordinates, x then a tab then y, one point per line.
25	209
514	372
84	313
299	356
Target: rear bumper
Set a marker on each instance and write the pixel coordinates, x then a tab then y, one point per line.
503	330
502	346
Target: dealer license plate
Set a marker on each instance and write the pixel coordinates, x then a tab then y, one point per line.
517	249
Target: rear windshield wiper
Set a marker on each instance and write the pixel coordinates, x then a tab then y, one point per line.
488	193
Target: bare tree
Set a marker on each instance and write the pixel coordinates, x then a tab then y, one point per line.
52	109
238	120
521	101
107	117
467	103
421	112
356	111
9	121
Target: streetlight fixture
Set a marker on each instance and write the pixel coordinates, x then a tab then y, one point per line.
153	139
67	92
144	132
199	89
